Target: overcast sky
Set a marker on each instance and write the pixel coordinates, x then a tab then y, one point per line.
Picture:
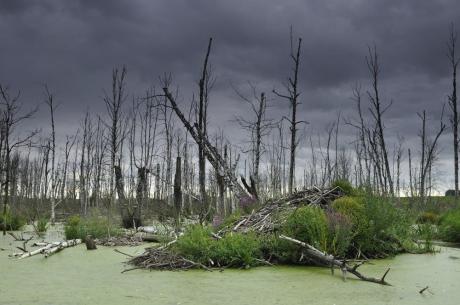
73	45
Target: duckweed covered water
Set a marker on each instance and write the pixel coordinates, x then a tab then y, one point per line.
78	276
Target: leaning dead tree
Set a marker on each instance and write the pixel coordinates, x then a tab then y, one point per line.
292	97
209	151
453	61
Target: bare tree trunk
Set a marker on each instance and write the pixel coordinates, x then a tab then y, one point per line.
377	113
453	99
178	191
114	108
201	133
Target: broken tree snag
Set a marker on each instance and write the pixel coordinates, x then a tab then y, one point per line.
90	243
328	260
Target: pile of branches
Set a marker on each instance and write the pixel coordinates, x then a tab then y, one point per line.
270	215
265	220
162	258
115	241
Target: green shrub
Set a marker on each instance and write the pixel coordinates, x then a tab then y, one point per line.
72	227
42	224
196	244
384	230
237	249
97	227
428	217
426	233
11	222
339	234
345	185
309	225
352	207
229	220
449	228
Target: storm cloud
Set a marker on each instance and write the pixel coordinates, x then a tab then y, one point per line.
72	46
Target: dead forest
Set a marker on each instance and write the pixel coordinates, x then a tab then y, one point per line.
154	152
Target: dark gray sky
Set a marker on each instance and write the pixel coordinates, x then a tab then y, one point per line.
73	45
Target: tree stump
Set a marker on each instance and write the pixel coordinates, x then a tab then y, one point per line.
90	244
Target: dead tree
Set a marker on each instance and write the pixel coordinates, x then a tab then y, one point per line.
453	61
114	105
52	107
82	183
428	152
178	191
377	112
69	143
258	128
11	117
292	97
201	130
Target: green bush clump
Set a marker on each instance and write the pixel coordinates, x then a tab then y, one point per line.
229	220
42	224
384	230
77	227
72	227
352	207
237	249
449	228
11	222
339	233
428	217
345	185
379	228
309	225
196	244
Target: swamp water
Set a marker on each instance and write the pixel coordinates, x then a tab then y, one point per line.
78	276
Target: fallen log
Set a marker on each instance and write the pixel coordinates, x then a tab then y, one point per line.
328	260
152	238
147	229
62	245
38	251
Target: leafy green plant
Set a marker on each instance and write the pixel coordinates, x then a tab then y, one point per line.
345	185
340	233
449	228
72	228
11	222
196	244
42	225
309	225
428	217
426	233
237	249
97	227
384	230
